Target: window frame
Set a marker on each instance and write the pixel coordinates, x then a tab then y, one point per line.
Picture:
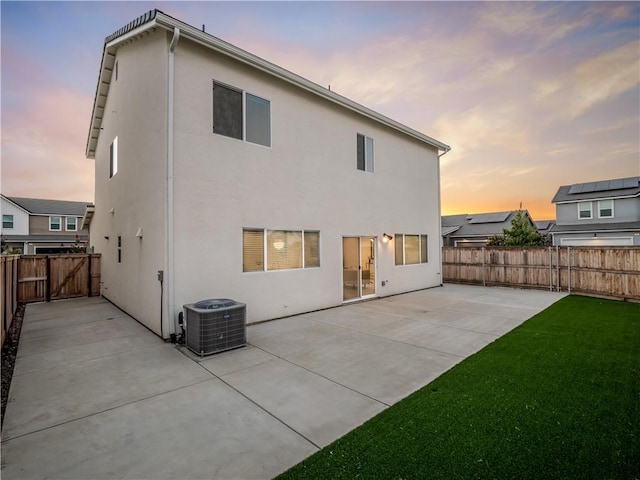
243	113
365	153
590	217
305	263
611	208
113	157
401	247
51	229
6	220
75	224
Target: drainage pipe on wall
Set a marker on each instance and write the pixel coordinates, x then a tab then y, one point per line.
447	150
170	214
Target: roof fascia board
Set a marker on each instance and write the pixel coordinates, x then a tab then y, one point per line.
109	49
283	74
596	230
599	198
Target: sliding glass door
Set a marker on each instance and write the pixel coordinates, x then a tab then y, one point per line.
358	267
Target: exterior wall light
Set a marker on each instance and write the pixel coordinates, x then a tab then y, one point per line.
386	237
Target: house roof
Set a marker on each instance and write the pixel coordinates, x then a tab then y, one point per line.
598	227
156	19
544	225
477	224
619	187
39	206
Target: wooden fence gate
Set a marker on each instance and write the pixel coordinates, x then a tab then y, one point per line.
54	277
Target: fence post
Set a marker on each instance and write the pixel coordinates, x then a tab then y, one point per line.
48	280
550	272
484	282
558	268
569	269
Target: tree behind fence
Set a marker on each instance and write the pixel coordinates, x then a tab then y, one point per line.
607	271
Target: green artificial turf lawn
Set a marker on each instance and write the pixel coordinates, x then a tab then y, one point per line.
558	397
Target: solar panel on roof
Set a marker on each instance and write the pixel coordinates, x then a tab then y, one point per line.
490	217
616	184
604	185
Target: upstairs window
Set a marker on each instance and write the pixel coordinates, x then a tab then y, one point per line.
72	224
364	153
55	224
241	115
113	158
605	209
7	221
584	211
410	249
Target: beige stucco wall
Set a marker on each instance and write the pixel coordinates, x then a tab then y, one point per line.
136	113
306	180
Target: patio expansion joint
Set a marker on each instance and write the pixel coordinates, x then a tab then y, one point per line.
279	420
322	376
351	329
72	362
115	407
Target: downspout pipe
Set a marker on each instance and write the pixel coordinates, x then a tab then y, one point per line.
440	243
170	195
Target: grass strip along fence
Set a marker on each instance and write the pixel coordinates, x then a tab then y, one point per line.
558	397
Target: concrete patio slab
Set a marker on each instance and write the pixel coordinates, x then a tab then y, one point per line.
201	431
317	408
57	395
97	395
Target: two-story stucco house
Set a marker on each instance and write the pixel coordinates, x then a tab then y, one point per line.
605	212
238	179
35	225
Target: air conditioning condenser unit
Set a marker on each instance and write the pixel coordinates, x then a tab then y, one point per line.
215	325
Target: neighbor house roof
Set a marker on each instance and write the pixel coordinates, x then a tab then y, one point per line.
39	206
477	224
616	188
156	19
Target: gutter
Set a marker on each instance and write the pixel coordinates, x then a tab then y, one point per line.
170	194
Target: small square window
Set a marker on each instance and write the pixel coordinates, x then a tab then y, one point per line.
605	209
584	211
71	224
55	224
7	221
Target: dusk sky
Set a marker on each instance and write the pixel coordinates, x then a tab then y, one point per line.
530	96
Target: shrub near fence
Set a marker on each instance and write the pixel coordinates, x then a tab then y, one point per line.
606	271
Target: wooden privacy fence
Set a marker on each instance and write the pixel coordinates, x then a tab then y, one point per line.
607	271
8	290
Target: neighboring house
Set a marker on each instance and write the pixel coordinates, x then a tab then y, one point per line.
544	226
33	225
221	175
605	212
474	230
